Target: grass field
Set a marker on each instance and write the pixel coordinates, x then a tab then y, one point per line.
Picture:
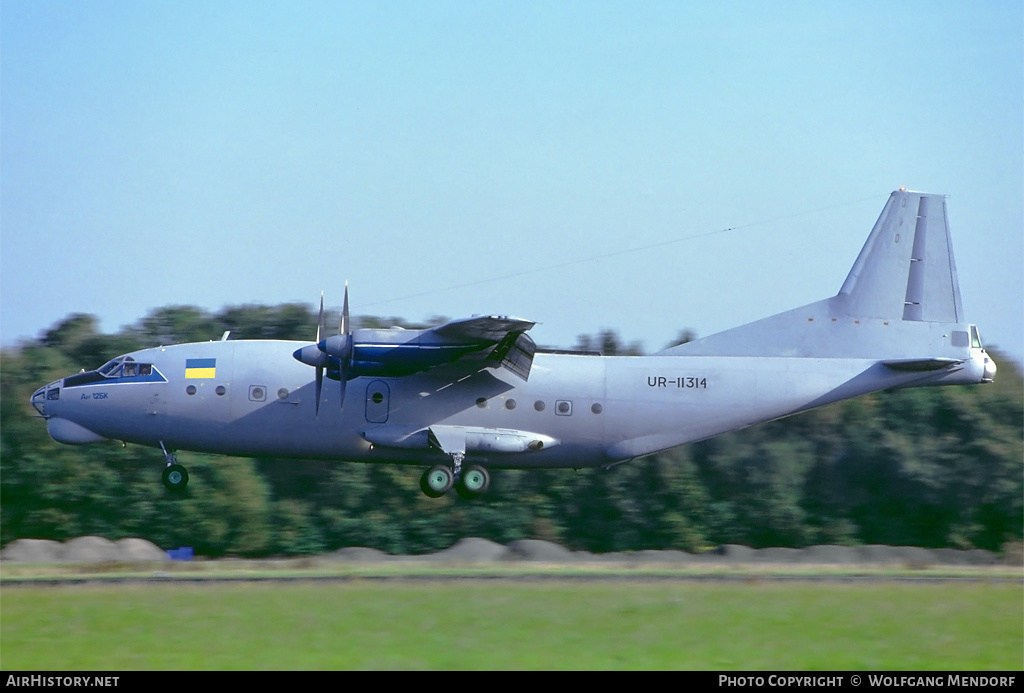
511	624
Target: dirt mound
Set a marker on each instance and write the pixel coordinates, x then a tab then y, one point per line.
82	550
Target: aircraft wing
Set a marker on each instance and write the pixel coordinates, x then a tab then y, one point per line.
499	341
483	328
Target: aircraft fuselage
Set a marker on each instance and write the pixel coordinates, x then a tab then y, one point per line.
253	399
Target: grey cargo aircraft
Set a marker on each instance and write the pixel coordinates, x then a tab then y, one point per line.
476	393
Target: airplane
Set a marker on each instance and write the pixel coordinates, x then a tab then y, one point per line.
476	394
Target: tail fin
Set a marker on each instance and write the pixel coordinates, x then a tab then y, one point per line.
906	270
900	300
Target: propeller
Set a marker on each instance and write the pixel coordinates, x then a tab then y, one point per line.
339	348
331	353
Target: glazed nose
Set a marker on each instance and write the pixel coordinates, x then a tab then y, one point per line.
47	394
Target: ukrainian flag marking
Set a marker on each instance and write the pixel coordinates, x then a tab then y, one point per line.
200	368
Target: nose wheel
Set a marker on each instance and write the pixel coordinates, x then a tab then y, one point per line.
175	477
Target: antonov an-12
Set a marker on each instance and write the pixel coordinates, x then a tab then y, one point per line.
476	394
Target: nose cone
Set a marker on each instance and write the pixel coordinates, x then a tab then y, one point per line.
311	356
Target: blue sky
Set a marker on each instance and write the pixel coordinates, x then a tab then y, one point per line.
643	166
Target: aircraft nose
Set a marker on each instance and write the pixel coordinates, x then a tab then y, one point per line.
45	395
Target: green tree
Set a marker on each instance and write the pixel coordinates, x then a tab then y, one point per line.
930	467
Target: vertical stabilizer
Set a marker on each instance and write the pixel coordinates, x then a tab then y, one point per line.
901	299
906	270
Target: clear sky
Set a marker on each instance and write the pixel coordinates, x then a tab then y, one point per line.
641	166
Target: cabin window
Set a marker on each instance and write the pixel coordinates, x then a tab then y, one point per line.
257	393
510	404
563	407
539	405
596	408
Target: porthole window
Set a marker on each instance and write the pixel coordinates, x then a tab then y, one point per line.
377	397
221	390
563	407
596	408
510	404
257	393
539	405
481	402
190	390
282	393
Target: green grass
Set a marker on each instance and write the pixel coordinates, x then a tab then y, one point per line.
509	624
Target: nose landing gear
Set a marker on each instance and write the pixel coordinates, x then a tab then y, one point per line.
175	477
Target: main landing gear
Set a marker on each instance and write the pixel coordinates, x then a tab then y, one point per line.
175	476
471	482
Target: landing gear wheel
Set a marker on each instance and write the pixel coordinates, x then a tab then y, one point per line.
436	481
473	482
175	477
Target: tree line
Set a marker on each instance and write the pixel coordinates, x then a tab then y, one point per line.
931	467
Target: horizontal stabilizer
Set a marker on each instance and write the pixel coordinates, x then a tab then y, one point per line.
935	364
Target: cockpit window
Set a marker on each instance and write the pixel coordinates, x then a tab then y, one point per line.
121	369
110	368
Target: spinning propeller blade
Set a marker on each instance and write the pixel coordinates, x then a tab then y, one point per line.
344	329
319	368
328	352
